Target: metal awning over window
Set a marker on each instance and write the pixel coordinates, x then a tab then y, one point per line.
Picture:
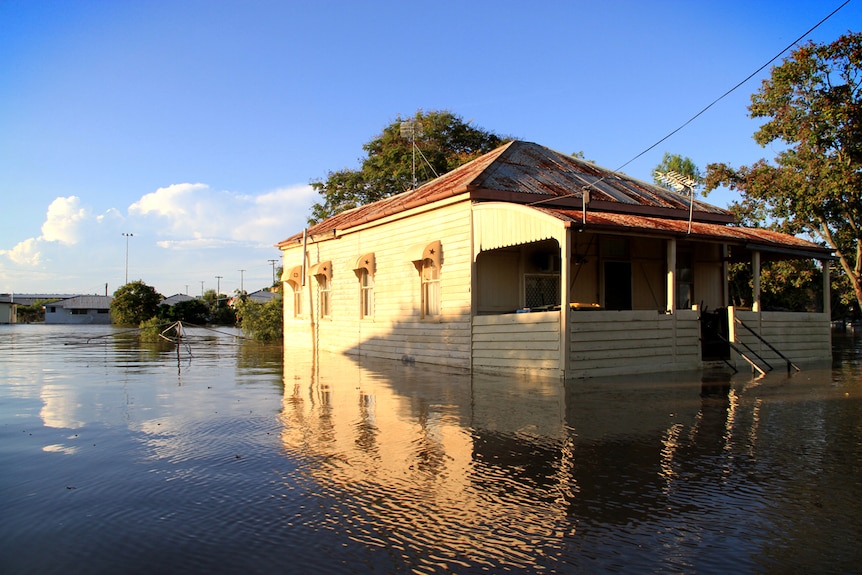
426	251
365	262
294	275
322	269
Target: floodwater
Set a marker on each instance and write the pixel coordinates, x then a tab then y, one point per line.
121	457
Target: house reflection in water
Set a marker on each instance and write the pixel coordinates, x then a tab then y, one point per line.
504	470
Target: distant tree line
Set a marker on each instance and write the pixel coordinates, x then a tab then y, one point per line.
138	304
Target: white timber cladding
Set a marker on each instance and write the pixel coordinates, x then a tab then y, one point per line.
528	342
501	225
606	343
800	337
395	330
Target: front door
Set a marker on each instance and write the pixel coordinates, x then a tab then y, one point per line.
618	285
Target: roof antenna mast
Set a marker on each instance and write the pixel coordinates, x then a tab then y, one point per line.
409	130
678	182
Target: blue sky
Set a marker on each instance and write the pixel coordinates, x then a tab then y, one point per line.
198	125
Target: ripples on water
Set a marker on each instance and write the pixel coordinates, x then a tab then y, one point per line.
118	457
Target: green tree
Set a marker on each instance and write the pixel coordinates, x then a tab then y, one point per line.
190	311
220	313
134	302
261	321
785	285
443	141
813	110
277	284
35	312
684	166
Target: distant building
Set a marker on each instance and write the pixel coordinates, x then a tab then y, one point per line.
263	296
176	298
31	298
8	309
259	296
81	309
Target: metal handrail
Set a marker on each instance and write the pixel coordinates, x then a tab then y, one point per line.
758	336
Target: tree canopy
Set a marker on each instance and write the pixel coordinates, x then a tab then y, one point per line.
261	321
190	311
134	302
813	111
443	141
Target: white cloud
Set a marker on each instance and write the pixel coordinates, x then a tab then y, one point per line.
195	244
206	232
171	202
26	252
66	223
193	215
64	220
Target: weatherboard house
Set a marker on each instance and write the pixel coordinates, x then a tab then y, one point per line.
529	260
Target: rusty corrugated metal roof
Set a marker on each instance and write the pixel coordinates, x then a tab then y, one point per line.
533	169
746	237
524	172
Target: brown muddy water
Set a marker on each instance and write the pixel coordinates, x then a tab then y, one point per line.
118	457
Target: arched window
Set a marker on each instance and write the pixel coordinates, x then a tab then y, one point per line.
323	272
366	294
430	288
293	278
427	259
364	269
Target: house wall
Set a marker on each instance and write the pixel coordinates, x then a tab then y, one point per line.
525	342
498	277
649	262
630	342
708	276
604	343
7	312
585	285
80	317
396	330
799	336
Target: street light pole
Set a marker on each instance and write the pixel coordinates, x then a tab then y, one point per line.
127	236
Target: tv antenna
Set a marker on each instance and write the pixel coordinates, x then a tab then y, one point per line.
409	130
679	182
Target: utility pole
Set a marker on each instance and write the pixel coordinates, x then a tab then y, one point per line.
273	270
242	281
127	236
218	286
202	288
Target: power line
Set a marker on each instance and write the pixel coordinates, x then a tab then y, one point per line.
710	105
749	77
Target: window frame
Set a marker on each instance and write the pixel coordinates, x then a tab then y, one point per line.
366	294
324	296
296	289
431	293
